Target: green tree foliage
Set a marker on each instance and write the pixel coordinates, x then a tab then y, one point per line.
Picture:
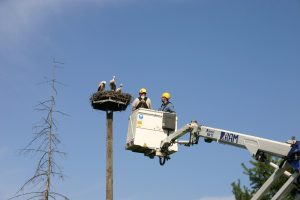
240	193
258	173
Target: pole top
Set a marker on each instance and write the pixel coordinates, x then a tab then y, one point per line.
110	101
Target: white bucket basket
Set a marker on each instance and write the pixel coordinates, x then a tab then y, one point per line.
145	131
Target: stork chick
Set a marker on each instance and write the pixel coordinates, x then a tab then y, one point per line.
119	89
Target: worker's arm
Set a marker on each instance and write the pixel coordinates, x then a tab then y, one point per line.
149	103
134	104
170	108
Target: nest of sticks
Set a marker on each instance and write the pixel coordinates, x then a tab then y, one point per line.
110	101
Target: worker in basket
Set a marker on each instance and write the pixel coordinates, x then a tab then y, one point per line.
166	105
142	101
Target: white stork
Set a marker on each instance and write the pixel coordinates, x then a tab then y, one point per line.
112	83
119	89
101	86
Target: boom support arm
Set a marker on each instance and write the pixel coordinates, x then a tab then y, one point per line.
253	144
257	146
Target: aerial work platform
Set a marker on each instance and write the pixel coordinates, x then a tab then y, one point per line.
155	133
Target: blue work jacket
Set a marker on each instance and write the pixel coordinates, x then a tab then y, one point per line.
169	107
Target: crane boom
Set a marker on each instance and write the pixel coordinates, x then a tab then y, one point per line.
253	144
257	147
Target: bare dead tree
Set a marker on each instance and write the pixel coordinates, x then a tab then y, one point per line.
45	143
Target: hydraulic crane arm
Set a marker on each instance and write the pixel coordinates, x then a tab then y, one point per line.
257	146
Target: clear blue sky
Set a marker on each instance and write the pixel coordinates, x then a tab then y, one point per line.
229	64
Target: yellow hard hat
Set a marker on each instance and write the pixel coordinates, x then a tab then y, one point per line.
143	90
166	95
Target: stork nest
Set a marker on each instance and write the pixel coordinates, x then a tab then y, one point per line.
110	101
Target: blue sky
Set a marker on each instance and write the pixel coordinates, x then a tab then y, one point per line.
227	64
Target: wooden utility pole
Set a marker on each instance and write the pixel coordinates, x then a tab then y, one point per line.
110	101
109	155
